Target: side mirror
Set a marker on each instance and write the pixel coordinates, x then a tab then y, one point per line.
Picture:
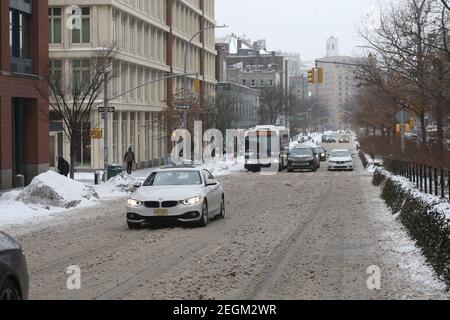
211	183
137	185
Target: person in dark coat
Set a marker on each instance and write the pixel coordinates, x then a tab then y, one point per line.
63	167
130	160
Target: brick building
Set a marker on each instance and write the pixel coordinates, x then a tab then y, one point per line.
24	140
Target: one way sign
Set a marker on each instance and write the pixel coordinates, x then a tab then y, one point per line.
110	109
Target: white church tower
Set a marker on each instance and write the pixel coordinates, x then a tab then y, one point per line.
332	47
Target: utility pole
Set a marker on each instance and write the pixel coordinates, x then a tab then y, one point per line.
106	126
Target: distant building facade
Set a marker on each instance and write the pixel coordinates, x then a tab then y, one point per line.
252	76
246	106
339	85
24	141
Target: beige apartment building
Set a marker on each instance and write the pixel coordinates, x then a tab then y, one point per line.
151	36
339	85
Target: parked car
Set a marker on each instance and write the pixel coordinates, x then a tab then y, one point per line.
14	280
344	139
302	158
324	138
323	154
331	139
183	194
340	159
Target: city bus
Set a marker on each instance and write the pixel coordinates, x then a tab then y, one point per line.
266	146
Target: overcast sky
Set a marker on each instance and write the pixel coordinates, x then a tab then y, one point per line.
296	25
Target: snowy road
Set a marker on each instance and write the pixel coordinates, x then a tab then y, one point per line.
290	236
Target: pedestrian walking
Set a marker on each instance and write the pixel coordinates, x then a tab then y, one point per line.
63	167
130	160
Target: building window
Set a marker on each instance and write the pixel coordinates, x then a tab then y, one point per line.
83	35
244	82
81	76
270	83
54	25
56	73
18	33
253	83
262	83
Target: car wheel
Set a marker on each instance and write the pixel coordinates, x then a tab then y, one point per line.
205	219
222	209
9	291
133	225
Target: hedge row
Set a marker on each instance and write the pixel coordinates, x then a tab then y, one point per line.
425	224
363	158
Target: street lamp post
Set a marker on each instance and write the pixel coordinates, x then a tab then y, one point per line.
106	125
186	50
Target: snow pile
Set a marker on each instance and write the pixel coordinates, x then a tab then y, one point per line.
225	166
118	186
47	194
54	190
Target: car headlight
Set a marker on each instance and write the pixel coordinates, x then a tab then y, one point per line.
134	203
192	201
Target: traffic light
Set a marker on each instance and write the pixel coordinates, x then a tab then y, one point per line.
320	75
311	76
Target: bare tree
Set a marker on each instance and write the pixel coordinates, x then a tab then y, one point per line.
73	95
224	109
398	56
273	104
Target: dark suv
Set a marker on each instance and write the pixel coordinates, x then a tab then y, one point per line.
302	158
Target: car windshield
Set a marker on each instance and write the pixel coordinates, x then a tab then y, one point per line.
302	152
173	178
340	154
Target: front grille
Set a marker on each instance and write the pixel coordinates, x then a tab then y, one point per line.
152	204
169	204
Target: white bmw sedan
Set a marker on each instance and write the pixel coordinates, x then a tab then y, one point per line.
179	194
340	159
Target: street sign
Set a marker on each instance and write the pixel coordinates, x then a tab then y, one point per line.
403	117
186	107
110	109
298	118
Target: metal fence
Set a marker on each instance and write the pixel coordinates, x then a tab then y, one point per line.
427	179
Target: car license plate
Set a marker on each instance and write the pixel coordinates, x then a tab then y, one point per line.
161	212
